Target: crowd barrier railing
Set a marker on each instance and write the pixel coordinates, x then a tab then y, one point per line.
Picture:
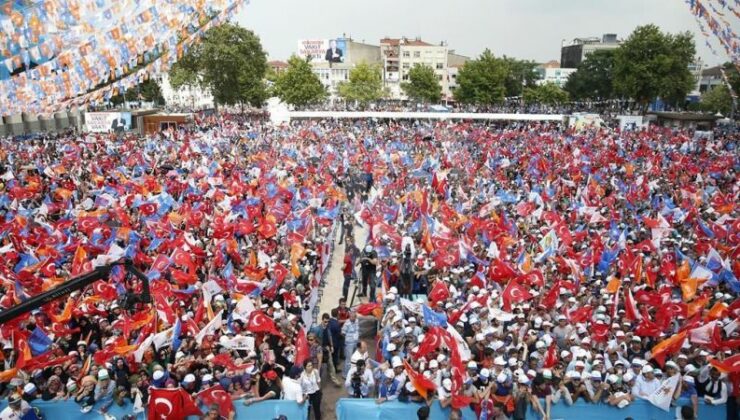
265	410
353	409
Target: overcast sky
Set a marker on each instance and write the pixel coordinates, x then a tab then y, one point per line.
531	29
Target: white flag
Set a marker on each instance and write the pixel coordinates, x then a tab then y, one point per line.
240	342
663	396
164	338
138	405
703	334
139	353
209	329
243	308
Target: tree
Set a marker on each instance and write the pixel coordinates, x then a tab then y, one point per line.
651	64
733	76
365	85
521	74
298	84
482	81
717	99
593	78
230	62
148	91
548	94
422	85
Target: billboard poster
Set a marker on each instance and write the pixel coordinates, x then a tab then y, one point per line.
108	122
323	50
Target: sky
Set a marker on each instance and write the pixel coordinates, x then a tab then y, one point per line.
526	29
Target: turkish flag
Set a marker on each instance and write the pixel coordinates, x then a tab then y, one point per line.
432	341
217	395
600	332
549	300
729	365
551	357
267	229
171	404
630	309
499	271
105	290
302	352
259	322
183	259
514	293
439	292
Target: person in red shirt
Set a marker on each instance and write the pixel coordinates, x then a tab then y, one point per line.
349	273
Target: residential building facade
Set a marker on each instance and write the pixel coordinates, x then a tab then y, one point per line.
188	97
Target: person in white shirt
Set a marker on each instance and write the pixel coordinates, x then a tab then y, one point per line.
359	380
351	333
292	387
645	384
16	408
311	384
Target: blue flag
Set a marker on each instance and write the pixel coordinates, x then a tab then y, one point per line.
433	319
38	342
176	341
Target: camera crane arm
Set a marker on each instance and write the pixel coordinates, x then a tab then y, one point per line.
77	283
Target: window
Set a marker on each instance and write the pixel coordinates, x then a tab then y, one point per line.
417	54
405	77
439	77
406	65
406	54
440	66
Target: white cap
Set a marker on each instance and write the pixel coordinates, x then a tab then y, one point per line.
501	378
647	369
389	374
103	374
396	362
433	363
391	347
472	365
189	378
484	373
447	384
157	375
628	376
29	388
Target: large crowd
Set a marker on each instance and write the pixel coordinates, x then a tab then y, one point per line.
504	269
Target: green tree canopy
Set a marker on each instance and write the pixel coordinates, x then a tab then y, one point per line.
230	62
365	84
520	74
147	91
482	81
548	94
593	79
422	85
651	64
716	100
298	84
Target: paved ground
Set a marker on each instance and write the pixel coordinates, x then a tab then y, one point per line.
330	299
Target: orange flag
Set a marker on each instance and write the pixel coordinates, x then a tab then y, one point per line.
66	314
667	347
697	305
682	273
7	375
613	285
717	311
420	383
78	261
688	288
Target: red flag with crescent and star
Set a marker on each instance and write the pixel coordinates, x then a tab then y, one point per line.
514	293
259	322
216	395
171	404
